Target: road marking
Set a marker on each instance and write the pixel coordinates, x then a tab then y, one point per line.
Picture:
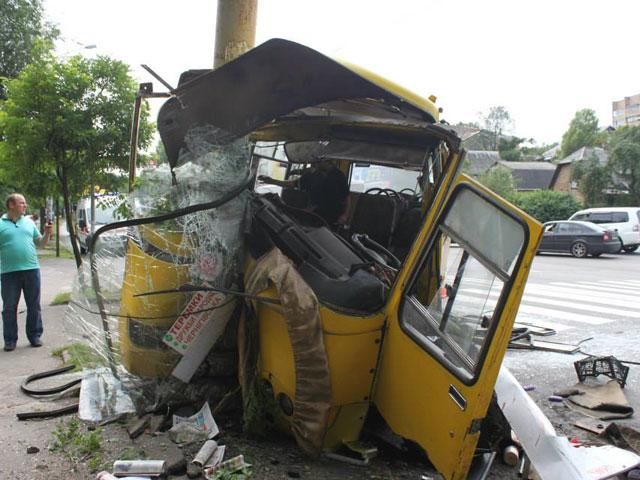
574	306
588	297
574	293
624	283
554	313
564	315
600	287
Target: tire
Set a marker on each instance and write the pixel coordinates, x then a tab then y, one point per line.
579	249
630	249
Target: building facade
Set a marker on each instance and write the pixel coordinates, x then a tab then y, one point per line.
626	111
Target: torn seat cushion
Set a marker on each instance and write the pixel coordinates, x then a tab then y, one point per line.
300	306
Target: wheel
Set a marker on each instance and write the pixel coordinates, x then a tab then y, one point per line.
630	248
579	249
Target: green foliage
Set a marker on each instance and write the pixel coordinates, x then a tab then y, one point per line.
582	132
546	205
132	453
21	27
509	149
66	124
261	411
500	180
496	121
77	445
624	159
593	180
61	299
80	355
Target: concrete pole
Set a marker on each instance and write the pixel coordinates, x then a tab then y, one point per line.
235	29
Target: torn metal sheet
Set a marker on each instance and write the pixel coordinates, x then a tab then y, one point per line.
552	456
534	344
260	86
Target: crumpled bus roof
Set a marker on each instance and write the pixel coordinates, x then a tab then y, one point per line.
280	78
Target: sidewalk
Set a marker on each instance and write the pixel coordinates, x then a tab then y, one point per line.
15	436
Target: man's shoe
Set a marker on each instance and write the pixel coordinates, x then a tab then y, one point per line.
36	343
9	347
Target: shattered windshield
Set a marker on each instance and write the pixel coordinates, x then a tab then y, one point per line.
128	309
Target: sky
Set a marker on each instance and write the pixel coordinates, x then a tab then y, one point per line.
542	60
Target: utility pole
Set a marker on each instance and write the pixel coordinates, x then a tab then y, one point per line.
235	29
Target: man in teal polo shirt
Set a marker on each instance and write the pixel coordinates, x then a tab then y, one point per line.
20	271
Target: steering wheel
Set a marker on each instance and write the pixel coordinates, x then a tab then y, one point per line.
384	191
373	251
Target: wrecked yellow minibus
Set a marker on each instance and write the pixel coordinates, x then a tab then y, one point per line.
401	312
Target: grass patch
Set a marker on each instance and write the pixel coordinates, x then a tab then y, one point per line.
132	453
80	355
77	445
61	299
50	252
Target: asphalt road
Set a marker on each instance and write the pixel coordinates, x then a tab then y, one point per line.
590	298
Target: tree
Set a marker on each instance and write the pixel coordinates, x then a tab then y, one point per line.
624	159
593	180
496	121
21	27
582	132
509	149
500	180
546	205
66	124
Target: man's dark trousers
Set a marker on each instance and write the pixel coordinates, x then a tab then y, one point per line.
12	283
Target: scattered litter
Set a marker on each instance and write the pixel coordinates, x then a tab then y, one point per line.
137	426
232	465
205	453
105	476
148	468
553	456
187	433
203	420
595	366
534	329
218	455
155	423
528	343
592	425
575	441
32	450
102	396
356	453
511	455
197	427
555	398
605	401
529	388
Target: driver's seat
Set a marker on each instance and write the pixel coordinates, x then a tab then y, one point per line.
377	216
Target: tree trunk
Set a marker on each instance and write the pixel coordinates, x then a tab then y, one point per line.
62	176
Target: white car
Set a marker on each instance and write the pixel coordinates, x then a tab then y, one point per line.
624	220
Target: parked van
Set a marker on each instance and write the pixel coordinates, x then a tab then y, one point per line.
105	212
624	220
